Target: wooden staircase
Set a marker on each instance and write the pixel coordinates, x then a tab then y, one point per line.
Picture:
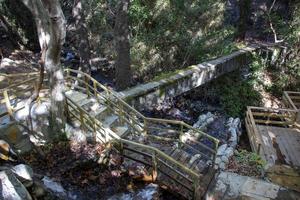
183	166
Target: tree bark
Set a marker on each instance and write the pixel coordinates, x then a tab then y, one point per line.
82	35
50	23
121	29
244	7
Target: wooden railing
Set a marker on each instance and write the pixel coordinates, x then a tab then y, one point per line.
137	122
291	100
160	162
152	157
267	116
7	80
12	98
89	123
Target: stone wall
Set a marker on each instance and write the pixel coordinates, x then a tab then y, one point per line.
194	76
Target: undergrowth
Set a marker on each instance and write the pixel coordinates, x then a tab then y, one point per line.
247	163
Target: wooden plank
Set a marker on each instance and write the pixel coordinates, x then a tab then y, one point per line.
292	140
175	154
285	176
270	152
283	146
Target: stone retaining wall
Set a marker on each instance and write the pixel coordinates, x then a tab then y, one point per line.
194	76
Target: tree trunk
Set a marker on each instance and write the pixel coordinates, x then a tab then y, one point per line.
121	29
83	44
50	23
244	7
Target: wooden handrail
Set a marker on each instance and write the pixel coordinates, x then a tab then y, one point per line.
87	78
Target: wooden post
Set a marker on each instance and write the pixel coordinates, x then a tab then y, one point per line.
95	129
197	190
67	111
297	118
154	167
95	89
81	118
68	77
181	129
121	112
8	105
87	86
145	132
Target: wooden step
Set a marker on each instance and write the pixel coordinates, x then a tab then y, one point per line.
75	95
120	130
110	121
101	113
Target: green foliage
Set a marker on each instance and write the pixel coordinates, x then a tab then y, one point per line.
236	95
250	159
170	35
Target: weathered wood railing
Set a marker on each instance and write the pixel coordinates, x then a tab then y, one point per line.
152	157
13	97
266	116
159	161
291	99
171	168
138	122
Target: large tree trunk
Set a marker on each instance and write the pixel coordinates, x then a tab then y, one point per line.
51	30
123	71
82	35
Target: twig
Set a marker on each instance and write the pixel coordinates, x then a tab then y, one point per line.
271	24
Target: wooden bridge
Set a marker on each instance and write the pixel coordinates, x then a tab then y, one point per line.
183	166
275	135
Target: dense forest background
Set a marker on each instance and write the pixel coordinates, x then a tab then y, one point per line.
166	35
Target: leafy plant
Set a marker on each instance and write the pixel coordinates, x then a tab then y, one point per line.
251	159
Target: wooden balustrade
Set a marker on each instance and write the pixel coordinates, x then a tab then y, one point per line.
127	113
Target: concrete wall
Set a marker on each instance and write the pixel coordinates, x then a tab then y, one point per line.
194	76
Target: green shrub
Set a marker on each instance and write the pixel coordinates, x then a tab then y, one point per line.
250	159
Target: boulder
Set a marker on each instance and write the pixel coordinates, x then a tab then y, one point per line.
17	137
12	188
151	191
221	150
54	187
24	173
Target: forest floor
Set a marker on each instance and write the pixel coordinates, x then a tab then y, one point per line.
75	167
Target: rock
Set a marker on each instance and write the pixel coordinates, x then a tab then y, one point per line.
233	137
218	160
236	122
229	122
17	137
204	120
225	159
210	120
150	192
79	137
222	165
38	190
221	150
24	146
229	185
54	187
229	152
24	173
12	188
